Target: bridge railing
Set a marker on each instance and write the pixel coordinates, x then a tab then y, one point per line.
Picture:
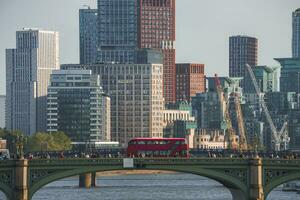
281	162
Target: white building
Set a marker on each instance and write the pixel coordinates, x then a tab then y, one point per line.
2	111
28	69
210	139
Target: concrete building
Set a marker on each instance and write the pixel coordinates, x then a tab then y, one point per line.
88	35
290	73
156	30
190	80
28	69
296	34
117	31
266	77
78	107
2	111
178	122
136	98
242	50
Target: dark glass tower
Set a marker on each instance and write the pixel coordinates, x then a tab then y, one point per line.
117	31
296	34
88	34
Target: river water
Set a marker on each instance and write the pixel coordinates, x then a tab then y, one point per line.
174	186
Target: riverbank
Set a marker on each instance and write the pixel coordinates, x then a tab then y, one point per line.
133	172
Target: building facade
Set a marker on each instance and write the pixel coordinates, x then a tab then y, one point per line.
28	69
296	34
266	77
294	129
289	74
242	51
117	31
2	111
190	80
76	105
156	30
207	110
88	35
136	98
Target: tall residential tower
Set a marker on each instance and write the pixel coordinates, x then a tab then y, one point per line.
156	30
28	69
242	50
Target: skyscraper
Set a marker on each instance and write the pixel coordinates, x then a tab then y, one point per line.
190	80
242	50
117	31
28	69
296	34
88	34
156	30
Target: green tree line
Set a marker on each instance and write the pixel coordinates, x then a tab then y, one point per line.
56	141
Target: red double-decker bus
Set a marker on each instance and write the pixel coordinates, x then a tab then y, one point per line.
157	147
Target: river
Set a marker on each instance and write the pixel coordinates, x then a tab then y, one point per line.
174	186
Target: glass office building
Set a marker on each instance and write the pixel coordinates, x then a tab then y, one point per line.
76	106
88	34
117	31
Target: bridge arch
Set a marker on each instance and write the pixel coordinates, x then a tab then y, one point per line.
237	188
278	181
7	191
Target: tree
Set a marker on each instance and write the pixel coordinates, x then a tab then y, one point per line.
57	141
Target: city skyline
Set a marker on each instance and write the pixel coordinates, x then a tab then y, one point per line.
200	41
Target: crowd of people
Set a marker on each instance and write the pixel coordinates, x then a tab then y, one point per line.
121	153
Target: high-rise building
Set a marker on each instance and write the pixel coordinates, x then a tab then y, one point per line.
2	111
117	31
28	69
294	129
190	80
136	98
207	110
77	106
296	34
242	50
156	30
289	74
88	34
266	77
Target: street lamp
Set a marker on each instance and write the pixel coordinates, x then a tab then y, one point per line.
19	143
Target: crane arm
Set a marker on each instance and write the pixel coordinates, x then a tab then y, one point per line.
263	104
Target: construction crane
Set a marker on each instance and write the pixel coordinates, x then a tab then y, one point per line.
241	126
277	137
230	131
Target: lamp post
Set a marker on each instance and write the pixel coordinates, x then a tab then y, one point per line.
19	142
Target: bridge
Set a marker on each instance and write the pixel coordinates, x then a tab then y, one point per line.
247	179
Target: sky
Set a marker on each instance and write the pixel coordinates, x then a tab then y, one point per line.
203	28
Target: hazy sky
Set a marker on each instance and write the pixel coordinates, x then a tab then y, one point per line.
203	28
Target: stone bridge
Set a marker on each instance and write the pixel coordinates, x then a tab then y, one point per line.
247	179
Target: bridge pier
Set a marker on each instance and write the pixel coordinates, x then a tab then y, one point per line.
21	182
94	179
256	187
237	194
87	180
